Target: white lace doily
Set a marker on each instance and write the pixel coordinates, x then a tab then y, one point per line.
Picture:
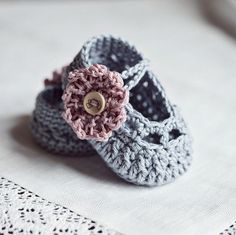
23	212
231	230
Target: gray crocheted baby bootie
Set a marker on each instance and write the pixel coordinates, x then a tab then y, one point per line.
48	127
145	141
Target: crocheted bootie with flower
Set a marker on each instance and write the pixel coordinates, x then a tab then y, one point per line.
145	141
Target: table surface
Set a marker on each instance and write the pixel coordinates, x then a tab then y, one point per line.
195	62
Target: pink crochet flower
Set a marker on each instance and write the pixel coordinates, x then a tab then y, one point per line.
56	79
109	102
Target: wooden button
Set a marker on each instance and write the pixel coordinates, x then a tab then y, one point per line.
94	103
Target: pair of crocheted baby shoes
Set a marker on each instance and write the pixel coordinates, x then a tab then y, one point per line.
108	100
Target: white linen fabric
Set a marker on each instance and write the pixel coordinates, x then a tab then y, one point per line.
194	60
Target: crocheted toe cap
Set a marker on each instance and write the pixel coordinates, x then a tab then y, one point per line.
154	156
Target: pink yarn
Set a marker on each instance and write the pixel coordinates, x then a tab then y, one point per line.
110	85
56	78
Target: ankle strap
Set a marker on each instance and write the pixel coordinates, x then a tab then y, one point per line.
115	53
135	74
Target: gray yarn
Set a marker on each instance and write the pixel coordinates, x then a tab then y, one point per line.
51	131
153	146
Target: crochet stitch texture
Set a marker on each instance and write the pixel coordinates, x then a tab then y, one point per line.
50	130
153	146
110	84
